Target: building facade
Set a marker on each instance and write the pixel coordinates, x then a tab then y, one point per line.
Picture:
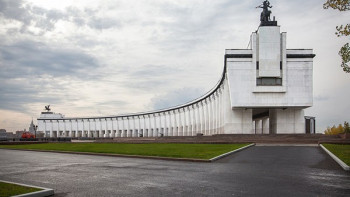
263	90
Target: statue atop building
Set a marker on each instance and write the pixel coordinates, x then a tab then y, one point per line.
47	108
265	19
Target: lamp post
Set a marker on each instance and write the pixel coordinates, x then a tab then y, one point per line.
35	127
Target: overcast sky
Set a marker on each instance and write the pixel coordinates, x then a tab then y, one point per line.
92	58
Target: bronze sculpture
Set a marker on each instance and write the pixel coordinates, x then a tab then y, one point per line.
47	108
265	14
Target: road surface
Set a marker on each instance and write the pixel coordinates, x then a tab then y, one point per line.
256	171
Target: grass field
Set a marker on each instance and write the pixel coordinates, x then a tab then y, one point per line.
7	189
342	151
193	151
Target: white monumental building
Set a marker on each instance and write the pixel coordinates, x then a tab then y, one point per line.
263	90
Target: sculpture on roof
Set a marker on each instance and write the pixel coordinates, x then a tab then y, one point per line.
265	14
47	108
265	19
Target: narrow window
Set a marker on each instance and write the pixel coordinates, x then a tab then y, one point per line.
268	81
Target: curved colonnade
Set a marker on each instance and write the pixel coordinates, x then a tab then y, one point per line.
204	115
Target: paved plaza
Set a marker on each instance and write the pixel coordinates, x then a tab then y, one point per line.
257	171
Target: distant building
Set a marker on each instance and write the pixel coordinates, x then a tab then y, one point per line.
5	135
31	127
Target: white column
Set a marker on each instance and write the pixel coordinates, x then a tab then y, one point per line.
139	127
106	129
265	126
170	124
71	129
207	117
199	119
258	126
216	113
117	129
176	126
154	133
219	110
203	118
222	106
51	130
194	127
89	129
44	121
112	129
180	130
189	130
130	126
210	116
123	134
185	133
144	126
160	124
150	131
135	130
64	128
101	133
128	131
166	128
76	128
95	131
83	128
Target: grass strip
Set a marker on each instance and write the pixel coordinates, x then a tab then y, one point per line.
342	151
190	151
8	189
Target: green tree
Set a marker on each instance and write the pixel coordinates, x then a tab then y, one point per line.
346	127
334	130
342	30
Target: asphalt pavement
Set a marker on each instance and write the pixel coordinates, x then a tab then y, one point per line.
256	171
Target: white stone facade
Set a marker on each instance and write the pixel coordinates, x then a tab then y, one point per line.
263	90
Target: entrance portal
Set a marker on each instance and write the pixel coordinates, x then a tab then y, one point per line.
261	121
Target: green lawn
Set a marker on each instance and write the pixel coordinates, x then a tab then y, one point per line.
194	151
342	151
7	189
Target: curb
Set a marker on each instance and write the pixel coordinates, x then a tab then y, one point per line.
115	155
286	144
44	192
137	156
340	162
229	153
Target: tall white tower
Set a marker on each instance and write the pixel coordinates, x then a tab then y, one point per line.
269	84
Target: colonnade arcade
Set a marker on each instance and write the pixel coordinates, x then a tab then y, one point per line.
202	116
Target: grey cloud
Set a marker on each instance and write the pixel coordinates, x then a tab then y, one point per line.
104	23
153	71
33	58
17	94
45	19
176	97
192	27
13	9
29	15
149	77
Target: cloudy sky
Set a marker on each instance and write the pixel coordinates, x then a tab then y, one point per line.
92	58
